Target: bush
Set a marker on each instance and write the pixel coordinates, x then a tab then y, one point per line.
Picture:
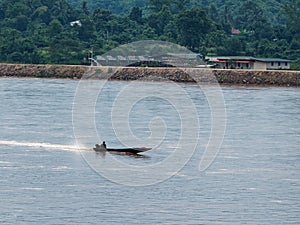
295	65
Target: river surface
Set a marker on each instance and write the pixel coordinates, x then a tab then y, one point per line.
48	176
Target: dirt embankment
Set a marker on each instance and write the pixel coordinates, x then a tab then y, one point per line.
234	77
42	71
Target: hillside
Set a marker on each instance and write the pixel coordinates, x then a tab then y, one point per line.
40	31
271	8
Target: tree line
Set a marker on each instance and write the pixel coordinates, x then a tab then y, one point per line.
46	31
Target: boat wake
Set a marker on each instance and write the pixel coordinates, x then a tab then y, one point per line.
44	145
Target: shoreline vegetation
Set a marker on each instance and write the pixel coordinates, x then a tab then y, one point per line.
184	75
70	32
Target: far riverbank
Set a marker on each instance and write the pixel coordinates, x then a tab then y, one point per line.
203	75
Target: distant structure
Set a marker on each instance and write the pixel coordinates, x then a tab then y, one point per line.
243	62
192	60
77	22
235	31
167	60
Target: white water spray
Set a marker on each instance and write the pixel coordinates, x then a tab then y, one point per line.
44	145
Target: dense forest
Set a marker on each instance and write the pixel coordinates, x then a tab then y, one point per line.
64	31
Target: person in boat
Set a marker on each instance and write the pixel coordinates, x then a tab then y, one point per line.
103	145
100	147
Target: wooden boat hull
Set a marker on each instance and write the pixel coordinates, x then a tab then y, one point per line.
122	150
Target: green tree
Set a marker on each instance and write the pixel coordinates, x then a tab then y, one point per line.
62	11
159	20
136	15
21	22
41	14
233	46
292	11
101	18
15	9
16	57
252	18
179	5
55	27
32	4
85	8
157	5
148	33
86	31
10	42
192	25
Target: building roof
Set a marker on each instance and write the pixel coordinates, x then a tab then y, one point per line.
185	56
246	59
272	60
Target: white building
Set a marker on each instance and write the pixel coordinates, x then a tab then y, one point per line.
243	62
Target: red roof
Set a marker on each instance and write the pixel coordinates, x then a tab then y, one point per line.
235	31
218	60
